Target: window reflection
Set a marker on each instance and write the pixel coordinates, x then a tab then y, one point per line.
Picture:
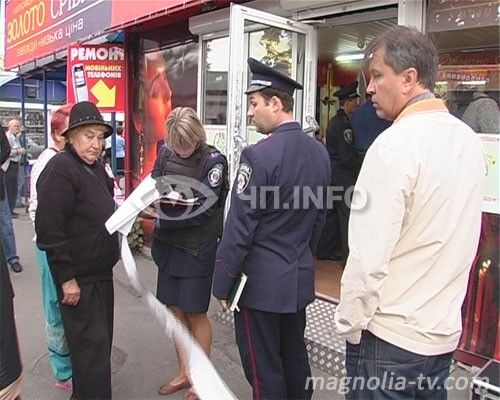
466	36
216	55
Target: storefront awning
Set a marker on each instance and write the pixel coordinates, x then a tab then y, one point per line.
40	30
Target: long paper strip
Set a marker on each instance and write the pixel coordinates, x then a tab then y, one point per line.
205	380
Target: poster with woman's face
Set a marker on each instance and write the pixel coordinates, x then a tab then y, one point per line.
165	79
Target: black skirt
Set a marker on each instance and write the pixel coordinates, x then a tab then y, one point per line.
184	280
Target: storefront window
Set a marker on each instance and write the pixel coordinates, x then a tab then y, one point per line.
465	33
216	61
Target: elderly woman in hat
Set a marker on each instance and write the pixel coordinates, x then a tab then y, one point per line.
75	198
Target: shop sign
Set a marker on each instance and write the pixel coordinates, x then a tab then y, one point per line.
491	144
138	9
462	76
36	28
470	58
446	15
96	73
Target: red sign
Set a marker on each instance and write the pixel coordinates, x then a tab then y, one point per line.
131	10
36	28
97	74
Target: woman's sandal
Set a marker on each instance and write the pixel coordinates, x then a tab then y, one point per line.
168	388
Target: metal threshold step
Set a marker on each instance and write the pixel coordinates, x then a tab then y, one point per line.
326	349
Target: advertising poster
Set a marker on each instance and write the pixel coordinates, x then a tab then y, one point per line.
162	80
35	28
97	74
491	144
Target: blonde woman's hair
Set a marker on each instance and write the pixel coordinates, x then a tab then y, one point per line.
184	128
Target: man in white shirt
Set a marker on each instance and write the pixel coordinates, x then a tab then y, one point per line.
11	166
413	242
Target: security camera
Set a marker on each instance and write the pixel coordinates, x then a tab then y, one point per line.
361	44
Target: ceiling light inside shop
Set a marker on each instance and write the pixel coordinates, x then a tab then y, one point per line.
350	57
473	83
441	82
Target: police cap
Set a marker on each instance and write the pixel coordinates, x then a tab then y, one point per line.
265	77
348	91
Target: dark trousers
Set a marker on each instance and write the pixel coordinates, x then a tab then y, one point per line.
377	370
329	240
273	353
10	360
11	176
343	211
89	333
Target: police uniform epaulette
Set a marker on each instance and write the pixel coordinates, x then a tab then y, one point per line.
263	140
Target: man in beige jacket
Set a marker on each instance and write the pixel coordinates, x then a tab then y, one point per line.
413	242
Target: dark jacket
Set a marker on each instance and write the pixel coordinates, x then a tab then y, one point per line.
341	145
10	361
4	155
74	202
273	237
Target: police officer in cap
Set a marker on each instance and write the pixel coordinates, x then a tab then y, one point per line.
271	236
345	160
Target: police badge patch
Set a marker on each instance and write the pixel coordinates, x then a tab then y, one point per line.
215	175
244	174
348	135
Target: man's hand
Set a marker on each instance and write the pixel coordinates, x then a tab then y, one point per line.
224	304
22	151
71	292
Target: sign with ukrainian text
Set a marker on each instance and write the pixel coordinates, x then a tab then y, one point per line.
36	28
96	73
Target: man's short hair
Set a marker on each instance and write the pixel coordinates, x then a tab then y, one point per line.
404	48
286	99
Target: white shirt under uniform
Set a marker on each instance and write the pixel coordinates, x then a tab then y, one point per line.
412	245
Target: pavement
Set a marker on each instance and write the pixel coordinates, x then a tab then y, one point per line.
142	357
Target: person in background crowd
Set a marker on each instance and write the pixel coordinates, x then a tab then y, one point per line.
75	199
482	114
345	161
11	166
59	358
10	359
184	248
271	236
413	243
120	150
7	236
367	126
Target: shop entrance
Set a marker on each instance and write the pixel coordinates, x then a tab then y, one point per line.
340	46
323	54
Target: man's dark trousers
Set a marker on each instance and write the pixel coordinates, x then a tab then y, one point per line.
273	353
11	176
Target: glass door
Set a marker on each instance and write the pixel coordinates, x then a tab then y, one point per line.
281	43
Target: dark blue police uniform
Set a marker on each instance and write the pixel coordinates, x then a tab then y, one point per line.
367	126
345	162
185	272
271	235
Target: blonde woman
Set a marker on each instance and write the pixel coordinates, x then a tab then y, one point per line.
185	239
